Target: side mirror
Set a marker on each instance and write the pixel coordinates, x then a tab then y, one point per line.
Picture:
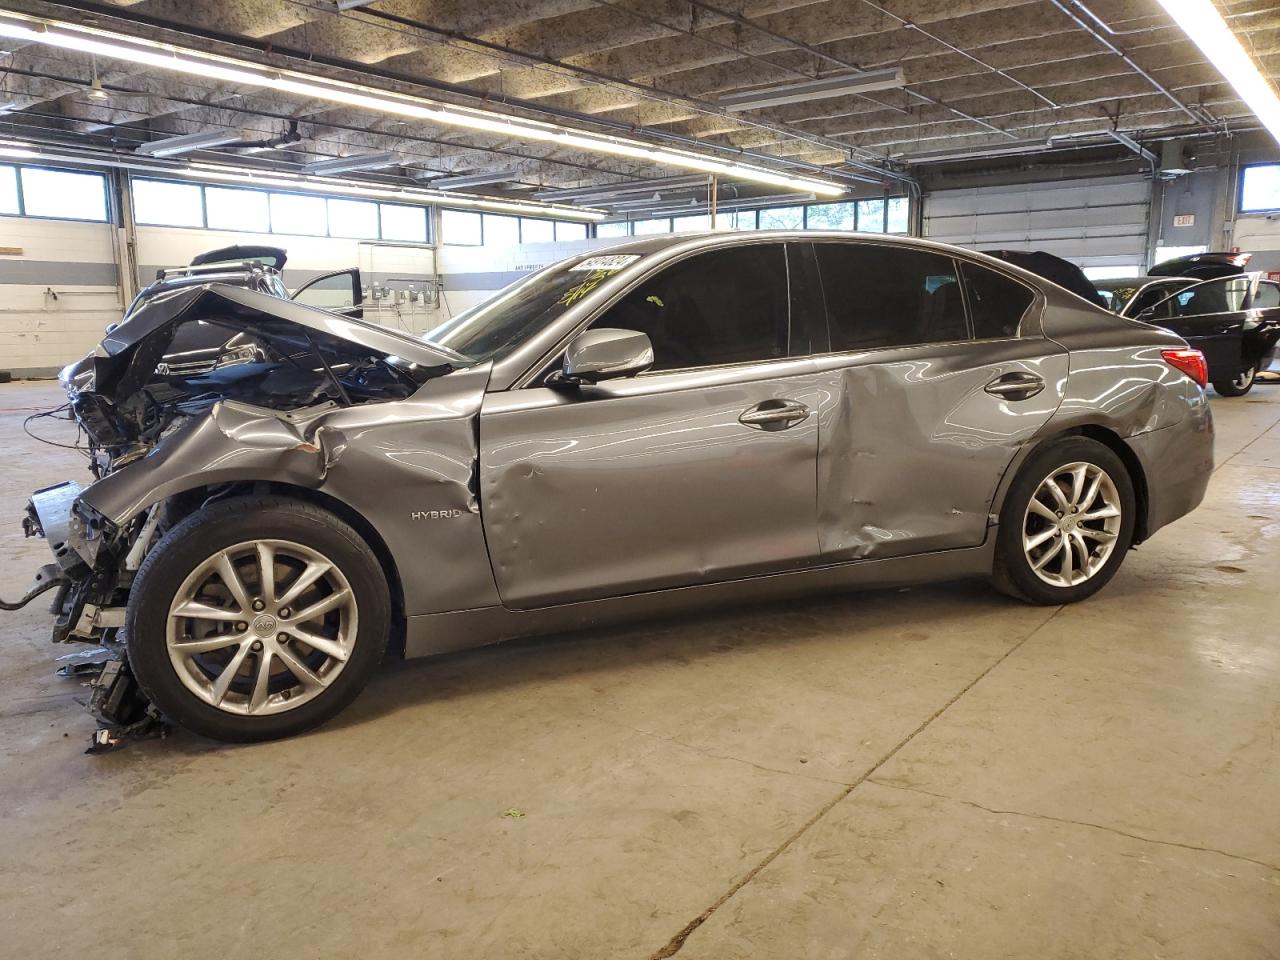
1147	315
604	354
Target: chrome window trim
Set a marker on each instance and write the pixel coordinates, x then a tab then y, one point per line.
515	371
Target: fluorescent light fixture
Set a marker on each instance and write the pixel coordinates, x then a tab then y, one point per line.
271	179
472	180
164	56
361	161
599	190
1203	24
330	185
173	146
804	90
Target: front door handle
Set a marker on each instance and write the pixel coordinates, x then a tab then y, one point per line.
1016	386
775	415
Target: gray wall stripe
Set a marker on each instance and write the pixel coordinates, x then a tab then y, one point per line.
58	273
482	281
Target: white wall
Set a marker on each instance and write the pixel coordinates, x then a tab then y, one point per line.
1259	235
57	296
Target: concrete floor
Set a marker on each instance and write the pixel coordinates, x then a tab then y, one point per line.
936	772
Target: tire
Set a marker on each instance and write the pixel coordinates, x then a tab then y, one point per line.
1240	385
1086	533
181	661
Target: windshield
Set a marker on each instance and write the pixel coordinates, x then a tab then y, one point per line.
492	329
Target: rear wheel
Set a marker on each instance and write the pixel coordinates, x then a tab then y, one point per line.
257	618
1066	523
1241	385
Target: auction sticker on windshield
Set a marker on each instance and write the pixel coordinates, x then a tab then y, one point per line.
613	263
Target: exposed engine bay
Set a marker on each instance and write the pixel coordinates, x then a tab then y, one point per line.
260	371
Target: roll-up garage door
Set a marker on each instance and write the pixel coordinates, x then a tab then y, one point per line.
1094	223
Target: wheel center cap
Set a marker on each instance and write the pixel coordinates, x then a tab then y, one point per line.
264	625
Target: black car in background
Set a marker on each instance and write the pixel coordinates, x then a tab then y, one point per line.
1230	316
1234	320
1129	296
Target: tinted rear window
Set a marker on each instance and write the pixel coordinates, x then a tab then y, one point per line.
882	296
996	302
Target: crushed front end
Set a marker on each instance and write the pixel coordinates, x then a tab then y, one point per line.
229	384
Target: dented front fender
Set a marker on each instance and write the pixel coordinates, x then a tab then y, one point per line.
407	468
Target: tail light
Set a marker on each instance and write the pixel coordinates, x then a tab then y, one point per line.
1190	362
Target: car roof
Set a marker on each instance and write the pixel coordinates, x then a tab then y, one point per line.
713	238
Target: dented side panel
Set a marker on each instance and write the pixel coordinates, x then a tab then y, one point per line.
647	483
408	468
912	448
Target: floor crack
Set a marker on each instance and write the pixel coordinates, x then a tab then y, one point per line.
1076	823
720	756
674	945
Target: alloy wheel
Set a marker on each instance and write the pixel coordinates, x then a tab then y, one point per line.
1071	524
1245	380
261	627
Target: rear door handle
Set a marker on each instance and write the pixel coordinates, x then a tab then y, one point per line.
1016	386
775	415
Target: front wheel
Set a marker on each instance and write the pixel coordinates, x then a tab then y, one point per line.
1066	523
257	618
1241	385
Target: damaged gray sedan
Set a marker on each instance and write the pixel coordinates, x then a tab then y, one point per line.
681	421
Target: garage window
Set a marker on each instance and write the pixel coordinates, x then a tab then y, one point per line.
227	208
726	306
501	231
782	218
882	296
567	232
537	231
996	302
1260	188
63	194
696	222
298	214
897	215
460	228
832	216
871	216
168	204
642	227
407	224
357	219
621	229
9	190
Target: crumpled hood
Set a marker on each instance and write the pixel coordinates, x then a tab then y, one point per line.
128	353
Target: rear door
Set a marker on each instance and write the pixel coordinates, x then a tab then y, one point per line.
1211	316
937	374
702	469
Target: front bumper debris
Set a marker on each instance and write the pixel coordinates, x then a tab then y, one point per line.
86	557
123	712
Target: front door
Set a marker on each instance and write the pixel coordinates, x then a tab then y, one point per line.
702	470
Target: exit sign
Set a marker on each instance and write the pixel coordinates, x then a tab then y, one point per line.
1184	220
